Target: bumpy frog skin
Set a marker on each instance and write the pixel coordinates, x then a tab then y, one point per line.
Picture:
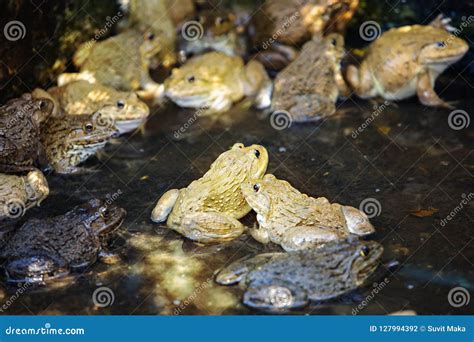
209	208
20	193
214	81
70	140
296	221
309	87
34	256
125	109
283	281
121	62
406	61
20	121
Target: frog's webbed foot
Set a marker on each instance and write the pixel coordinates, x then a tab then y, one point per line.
304	237
210	227
276	297
66	78
443	23
259	234
34	269
357	221
164	206
427	95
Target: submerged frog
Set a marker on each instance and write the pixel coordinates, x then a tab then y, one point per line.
296	221
214	81
209	208
282	281
125	109
406	61
308	88
121	62
20	193
43	250
70	140
20	121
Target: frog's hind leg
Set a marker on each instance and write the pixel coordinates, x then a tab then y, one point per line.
164	206
426	93
258	84
283	296
305	237
35	269
360	81
209	227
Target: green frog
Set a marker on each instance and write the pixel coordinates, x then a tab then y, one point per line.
297	221
214	81
70	140
283	281
406	61
20	121
43	250
209	208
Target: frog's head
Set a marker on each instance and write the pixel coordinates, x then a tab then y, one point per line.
36	186
260	194
367	257
39	107
334	46
151	45
128	112
88	132
441	48
102	218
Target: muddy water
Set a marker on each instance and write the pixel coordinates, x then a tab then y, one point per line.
407	158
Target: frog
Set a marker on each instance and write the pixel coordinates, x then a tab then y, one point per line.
20	121
406	61
208	210
214	81
42	250
18	193
296	221
121	62
217	31
280	282
70	140
80	97
281	25
309	87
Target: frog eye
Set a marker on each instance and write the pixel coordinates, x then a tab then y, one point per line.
191	79
120	104
256	187
88	127
334	41
364	251
150	36
257	153
42	104
440	44
219	21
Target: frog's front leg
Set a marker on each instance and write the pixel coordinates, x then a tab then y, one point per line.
260	234
210	227
360	81
258	84
164	206
305	237
426	93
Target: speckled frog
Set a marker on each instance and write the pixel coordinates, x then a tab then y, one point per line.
209	208
406	61
80	97
214	81
309	87
297	221
43	250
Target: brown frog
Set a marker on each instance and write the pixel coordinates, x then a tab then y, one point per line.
309	87
297	221
42	250
20	121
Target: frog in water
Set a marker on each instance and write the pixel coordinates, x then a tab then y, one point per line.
70	140
406	61
214	81
124	108
42	250
121	62
20	121
209	208
296	221
20	193
309	86
283	281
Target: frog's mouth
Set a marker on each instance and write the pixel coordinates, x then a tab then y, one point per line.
98	139
111	218
189	100
127	126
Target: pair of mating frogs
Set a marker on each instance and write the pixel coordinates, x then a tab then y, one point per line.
209	208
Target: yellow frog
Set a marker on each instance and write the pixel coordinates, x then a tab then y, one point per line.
406	61
214	81
209	208
296	221
122	108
